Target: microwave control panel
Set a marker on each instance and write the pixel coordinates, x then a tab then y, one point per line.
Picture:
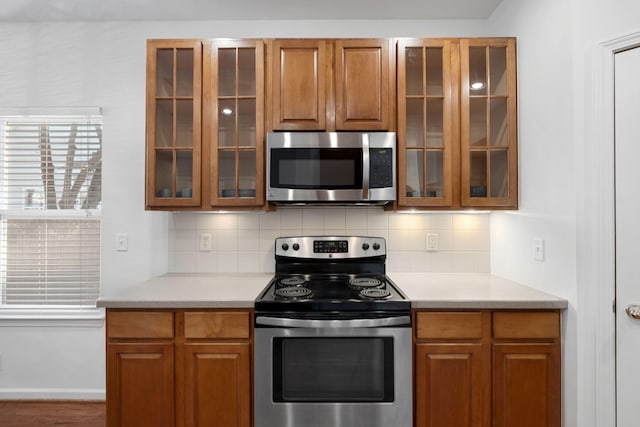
381	168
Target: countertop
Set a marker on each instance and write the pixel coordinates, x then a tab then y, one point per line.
239	290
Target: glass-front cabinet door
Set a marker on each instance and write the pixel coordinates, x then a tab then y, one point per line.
425	127
173	122
234	107
488	123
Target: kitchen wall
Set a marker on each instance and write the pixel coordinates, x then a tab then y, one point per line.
103	64
556	72
244	242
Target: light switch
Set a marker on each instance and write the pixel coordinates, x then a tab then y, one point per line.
538	249
122	242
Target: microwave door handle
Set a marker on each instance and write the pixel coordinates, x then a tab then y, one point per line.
323	324
365	166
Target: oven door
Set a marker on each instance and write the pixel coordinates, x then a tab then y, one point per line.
328	373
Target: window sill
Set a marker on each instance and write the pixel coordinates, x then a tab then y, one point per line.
33	316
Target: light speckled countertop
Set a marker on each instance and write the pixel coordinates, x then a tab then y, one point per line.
239	290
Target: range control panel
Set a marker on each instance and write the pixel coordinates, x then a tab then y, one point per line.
323	247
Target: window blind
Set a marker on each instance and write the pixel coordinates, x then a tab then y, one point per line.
50	203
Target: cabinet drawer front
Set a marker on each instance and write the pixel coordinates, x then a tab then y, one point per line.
140	324
448	325
526	325
204	324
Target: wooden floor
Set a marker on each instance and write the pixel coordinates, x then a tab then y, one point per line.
52	413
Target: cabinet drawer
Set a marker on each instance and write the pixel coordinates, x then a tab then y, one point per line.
526	324
203	324
140	324
448	325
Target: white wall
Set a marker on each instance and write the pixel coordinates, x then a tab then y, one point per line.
103	64
557	40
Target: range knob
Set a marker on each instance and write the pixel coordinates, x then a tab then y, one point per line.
285	247
365	246
376	246
296	246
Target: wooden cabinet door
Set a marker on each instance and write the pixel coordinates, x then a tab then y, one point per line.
173	143
140	385
450	388
488	127
526	385
234	111
298	84
427	124
364	86
217	385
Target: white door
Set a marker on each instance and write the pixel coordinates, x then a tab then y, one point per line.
627	158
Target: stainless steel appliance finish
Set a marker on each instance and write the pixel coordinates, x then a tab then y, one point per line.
331	167
330	356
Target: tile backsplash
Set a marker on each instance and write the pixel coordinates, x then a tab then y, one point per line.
244	242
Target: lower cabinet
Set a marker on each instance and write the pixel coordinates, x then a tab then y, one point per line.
487	368
179	368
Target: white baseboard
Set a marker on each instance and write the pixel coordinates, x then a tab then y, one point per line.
51	394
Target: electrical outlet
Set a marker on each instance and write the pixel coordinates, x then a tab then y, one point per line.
432	242
205	241
538	249
122	242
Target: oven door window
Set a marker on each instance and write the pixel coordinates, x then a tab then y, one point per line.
333	369
316	168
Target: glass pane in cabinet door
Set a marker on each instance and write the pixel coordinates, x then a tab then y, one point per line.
184	72
164	123
498	70
435	174
247	122
415	173
499	122
477	71
184	123
434	72
226	173
435	122
415	122
247	173
499	173
164	70
413	70
227	72
164	173
478	174
247	72
478	121
184	173
227	123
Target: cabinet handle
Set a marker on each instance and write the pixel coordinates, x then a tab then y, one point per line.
633	311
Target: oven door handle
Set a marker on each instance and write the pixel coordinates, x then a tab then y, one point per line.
286	322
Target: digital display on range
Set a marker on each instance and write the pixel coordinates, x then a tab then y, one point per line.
330	246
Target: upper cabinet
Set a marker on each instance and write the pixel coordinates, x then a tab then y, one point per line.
331	84
488	123
174	79
452	103
234	120
426	131
457	123
205	124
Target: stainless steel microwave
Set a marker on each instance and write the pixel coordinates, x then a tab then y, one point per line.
331	167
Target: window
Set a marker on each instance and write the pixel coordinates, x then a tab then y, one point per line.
50	203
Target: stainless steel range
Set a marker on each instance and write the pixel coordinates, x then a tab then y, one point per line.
332	338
